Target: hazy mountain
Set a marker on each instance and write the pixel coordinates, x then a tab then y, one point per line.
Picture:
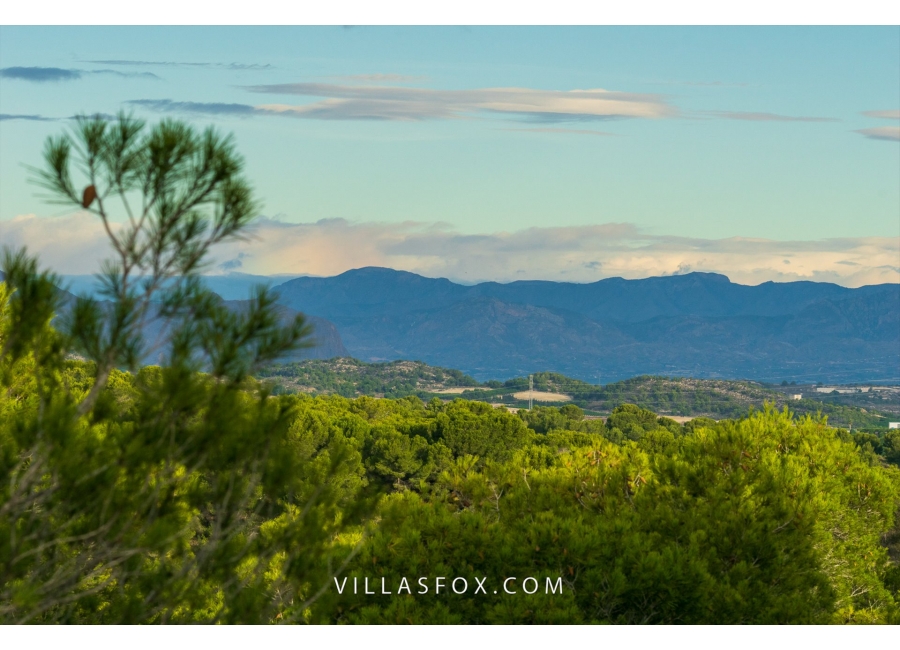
327	340
698	324
230	286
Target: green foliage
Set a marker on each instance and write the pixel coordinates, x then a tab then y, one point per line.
891	446
547	418
682	396
766	520
477	429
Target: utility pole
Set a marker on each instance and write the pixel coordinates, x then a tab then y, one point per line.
530	391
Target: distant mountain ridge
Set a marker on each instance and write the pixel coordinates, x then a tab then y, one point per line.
695	294
697	324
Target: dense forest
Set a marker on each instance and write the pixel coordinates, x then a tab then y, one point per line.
180	500
190	492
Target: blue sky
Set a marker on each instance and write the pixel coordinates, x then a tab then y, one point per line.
470	152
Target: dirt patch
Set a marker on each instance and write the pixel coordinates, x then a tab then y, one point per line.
540	396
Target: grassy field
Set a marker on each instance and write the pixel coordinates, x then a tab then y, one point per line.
542	396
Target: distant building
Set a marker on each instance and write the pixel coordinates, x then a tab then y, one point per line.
797	396
893	425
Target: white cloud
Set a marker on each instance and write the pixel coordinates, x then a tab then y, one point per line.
889	133
75	244
352	102
884	115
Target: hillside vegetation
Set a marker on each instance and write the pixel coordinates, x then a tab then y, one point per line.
352	378
673	396
255	509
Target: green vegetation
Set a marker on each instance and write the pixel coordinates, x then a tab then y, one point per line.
718	524
255	504
678	396
352	378
190	493
685	396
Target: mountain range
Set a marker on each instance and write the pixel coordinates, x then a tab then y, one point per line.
696	324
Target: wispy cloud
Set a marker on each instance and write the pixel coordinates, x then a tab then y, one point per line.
395	103
361	102
46	118
43	75
31	118
248	66
768	117
889	133
117	73
884	115
414	104
206	108
75	243
188	64
40	74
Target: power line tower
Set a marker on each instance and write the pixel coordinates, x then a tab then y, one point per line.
530	391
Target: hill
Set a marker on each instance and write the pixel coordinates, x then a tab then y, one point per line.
668	396
353	378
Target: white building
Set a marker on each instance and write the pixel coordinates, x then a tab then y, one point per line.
834	389
893	425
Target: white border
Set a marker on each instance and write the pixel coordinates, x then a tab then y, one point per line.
450	638
452	12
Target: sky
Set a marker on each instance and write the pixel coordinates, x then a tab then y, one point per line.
487	153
